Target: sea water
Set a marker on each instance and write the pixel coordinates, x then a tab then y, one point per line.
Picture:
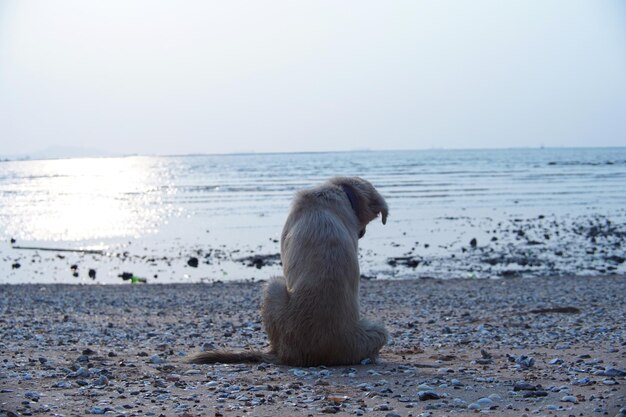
529	211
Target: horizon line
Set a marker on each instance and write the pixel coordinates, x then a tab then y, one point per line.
26	157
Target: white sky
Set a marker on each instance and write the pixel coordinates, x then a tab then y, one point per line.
172	77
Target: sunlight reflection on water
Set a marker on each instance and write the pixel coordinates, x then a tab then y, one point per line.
80	199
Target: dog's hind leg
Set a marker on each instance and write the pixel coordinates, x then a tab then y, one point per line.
273	309
372	337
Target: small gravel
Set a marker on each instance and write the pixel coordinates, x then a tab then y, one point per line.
120	350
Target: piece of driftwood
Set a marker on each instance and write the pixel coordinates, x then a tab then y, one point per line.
91	251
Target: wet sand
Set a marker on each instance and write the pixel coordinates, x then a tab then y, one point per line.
447	247
506	347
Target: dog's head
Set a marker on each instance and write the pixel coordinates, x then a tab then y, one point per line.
366	202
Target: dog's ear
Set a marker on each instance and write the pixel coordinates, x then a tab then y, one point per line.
368	202
384	212
376	204
379	206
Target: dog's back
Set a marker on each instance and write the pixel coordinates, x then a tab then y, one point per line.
319	255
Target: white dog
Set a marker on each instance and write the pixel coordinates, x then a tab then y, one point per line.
311	315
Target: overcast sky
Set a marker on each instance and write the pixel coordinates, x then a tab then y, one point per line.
176	77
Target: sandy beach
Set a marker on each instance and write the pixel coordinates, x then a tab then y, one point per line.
506	347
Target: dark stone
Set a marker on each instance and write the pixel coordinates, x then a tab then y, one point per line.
193	262
92	273
259	261
15	265
428	395
563	310
473	242
535	394
408	261
524	386
331	409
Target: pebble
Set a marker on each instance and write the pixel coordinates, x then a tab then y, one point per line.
428	395
524	386
485	402
535	394
80	372
98	410
62	384
193	372
612	372
569	399
495	397
337	398
299	372
32	395
524	361
459	402
101	381
156	359
582	381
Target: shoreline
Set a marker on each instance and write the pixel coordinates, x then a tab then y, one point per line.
508	347
483	247
364	278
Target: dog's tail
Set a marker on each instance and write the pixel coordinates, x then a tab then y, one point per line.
219	356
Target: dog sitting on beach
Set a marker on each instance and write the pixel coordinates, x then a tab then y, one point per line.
311	315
